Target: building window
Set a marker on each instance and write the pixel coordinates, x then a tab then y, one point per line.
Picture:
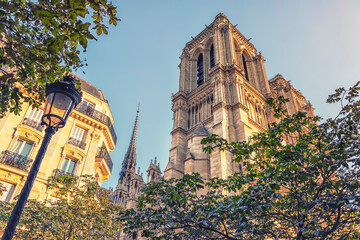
22	147
35	114
68	166
200	70
212	56
245	68
33	119
189	118
87	107
9	190
78	137
88	104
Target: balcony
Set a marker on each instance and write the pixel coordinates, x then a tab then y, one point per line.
103	153
98	116
77	143
34	124
15	160
58	173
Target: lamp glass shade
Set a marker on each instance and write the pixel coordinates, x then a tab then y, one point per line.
57	109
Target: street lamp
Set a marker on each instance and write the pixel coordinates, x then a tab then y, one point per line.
61	98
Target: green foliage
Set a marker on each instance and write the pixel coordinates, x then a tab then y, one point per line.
40	41
2	189
76	213
299	180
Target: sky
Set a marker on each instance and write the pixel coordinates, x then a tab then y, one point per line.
315	44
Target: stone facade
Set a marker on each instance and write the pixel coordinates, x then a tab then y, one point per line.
131	181
82	147
223	87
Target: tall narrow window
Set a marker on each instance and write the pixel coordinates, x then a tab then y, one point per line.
245	68
78	137
68	166
33	119
35	114
88	104
212	56
189	119
196	114
9	189
22	148
200	109
200	70
192	116
87	107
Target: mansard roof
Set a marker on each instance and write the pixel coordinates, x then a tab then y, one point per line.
89	88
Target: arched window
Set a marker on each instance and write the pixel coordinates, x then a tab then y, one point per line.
189	119
200	108
192	117
212	56
200	70
245	67
196	114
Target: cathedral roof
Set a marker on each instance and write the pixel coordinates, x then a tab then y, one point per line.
277	76
122	187
138	177
220	15
200	131
170	165
154	167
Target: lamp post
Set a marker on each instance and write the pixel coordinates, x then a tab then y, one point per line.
61	98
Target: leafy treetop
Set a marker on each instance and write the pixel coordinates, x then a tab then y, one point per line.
306	188
75	213
39	42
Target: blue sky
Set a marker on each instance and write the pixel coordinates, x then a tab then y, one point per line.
315	44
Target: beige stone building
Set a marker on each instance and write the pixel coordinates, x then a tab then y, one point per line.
82	147
223	87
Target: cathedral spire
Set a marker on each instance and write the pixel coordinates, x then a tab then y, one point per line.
129	163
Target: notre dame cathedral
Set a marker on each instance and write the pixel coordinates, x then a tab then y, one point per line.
223	87
222	90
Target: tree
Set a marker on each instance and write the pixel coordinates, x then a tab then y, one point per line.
306	189
39	42
77	213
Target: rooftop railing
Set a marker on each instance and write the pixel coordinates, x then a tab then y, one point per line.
34	124
76	142
103	153
99	116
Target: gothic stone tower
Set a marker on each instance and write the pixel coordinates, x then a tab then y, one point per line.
130	182
223	88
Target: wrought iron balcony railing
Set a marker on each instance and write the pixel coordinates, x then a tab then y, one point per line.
99	116
77	143
58	173
15	160
103	153
34	124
